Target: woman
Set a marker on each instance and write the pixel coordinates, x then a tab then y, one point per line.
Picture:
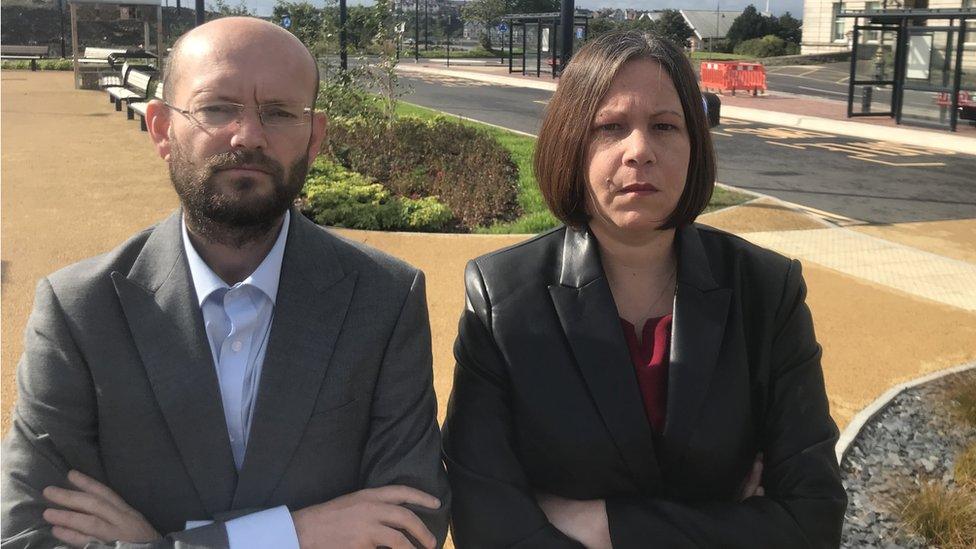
617	378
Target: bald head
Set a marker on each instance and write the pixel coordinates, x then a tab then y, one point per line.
238	43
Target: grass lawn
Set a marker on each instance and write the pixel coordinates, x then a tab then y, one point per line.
440	52
536	217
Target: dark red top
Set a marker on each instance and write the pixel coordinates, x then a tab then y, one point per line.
650	358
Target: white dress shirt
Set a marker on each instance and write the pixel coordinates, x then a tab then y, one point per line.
238	322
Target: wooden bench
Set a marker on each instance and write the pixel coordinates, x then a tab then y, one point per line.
140	107
32	53
136	88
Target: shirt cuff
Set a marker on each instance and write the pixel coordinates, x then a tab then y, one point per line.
269	528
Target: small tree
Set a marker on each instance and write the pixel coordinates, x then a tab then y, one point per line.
751	24
220	8
672	25
789	28
486	12
599	26
306	21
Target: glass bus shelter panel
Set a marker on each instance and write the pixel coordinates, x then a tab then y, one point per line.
930	58
929	68
930	108
967	81
873	99
876	55
872	90
531	53
531	40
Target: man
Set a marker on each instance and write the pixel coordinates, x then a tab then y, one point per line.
235	364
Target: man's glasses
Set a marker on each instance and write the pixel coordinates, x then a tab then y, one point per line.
218	115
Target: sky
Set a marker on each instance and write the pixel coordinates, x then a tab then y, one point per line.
263	7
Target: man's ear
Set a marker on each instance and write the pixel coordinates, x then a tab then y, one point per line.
320	129
157	122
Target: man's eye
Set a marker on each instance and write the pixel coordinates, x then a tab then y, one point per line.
217	109
280	112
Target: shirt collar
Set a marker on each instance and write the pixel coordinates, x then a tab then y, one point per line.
264	278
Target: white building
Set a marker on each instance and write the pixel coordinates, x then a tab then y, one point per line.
824	32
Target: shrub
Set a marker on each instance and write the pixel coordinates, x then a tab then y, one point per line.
963	400
337	197
42	64
964	470
469	170
944	516
343	100
767	46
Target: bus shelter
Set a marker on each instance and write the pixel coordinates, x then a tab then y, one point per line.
95	61
917	66
539	33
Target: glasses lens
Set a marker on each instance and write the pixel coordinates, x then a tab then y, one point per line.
217	115
283	114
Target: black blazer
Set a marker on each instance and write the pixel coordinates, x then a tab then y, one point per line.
545	399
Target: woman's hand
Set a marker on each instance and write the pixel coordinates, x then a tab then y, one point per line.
583	520
94	513
751	486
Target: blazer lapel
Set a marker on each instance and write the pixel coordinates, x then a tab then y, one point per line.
313	295
700	315
589	319
160	306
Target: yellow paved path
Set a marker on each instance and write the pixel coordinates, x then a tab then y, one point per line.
77	179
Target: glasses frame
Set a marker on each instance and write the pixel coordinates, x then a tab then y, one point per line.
307	113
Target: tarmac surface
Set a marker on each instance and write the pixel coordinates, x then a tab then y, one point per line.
78	179
865	179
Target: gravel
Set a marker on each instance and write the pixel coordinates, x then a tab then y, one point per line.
913	439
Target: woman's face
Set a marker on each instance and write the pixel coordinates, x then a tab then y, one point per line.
638	151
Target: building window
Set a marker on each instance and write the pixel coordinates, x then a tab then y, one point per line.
837	32
871	37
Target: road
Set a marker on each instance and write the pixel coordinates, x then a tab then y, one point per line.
863	180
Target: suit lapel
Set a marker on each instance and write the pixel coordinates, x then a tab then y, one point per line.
589	319
160	306
313	296
700	316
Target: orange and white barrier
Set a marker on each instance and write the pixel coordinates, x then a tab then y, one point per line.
733	76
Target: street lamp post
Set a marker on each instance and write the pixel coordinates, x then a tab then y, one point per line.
567	19
448	33
61	22
426	27
416	30
201	14
343	54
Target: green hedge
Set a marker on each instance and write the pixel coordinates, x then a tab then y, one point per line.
767	46
338	197
441	51
42	64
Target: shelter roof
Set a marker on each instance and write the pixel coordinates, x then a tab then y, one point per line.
119	2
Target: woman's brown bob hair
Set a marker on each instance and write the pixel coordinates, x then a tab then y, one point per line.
561	149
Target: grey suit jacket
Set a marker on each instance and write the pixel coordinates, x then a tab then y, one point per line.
117	381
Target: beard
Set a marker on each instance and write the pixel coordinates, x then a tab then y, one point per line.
240	214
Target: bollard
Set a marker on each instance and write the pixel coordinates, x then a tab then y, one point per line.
712	105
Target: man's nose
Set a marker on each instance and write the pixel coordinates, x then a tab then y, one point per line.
249	132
